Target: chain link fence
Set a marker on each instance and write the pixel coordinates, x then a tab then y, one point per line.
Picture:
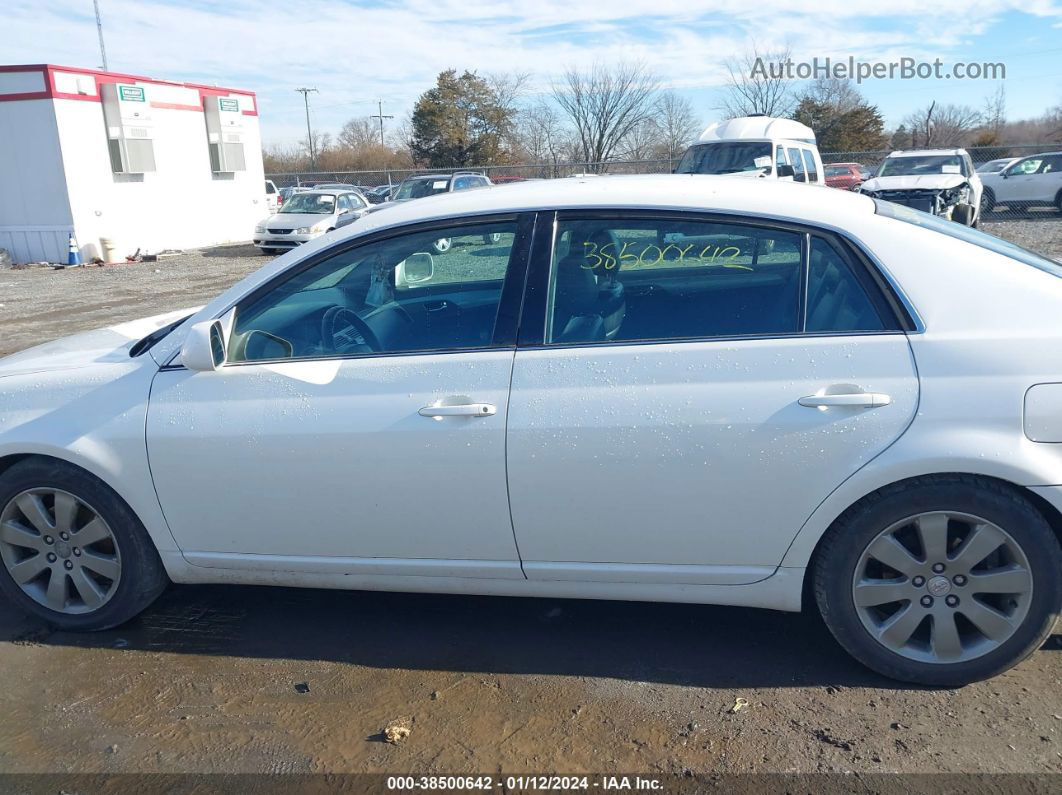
500	174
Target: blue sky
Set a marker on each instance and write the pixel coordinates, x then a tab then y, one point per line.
355	51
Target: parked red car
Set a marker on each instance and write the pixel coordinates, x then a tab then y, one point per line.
845	176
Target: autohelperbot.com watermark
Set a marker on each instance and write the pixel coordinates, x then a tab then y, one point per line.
852	68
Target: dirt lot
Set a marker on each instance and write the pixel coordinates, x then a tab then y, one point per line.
272	680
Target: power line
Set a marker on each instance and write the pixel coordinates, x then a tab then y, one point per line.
309	135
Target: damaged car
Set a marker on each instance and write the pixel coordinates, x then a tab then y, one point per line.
941	182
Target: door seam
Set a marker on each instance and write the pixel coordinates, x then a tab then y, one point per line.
505	451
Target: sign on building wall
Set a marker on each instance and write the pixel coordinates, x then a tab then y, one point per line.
228	104
131	93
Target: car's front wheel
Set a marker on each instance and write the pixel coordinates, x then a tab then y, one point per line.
988	201
941	581
963	214
442	245
73	552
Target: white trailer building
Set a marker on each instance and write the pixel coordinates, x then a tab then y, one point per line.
146	164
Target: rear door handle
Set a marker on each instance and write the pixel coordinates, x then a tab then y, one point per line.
462	410
866	400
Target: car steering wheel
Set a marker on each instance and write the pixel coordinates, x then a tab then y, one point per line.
342	331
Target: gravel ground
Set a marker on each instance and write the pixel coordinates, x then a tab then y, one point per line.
230	679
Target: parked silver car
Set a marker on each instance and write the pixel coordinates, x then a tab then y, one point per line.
307	215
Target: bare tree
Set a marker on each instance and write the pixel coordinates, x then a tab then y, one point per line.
995	113
604	104
840	95
1053	122
757	83
677	123
542	136
509	87
942	125
359	134
643	142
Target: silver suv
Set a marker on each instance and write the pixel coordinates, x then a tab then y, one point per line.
424	185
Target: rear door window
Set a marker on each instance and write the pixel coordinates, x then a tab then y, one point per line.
626	279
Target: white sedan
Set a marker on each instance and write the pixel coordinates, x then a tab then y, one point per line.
669	388
307	215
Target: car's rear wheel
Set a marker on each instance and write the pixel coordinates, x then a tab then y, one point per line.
73	552
942	581
442	245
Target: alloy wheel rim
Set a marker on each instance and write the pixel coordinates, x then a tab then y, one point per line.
443	244
942	587
59	551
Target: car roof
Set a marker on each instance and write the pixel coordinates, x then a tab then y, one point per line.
858	165
758	127
920	152
327	191
685	192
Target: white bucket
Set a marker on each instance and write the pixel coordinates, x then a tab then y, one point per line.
107	245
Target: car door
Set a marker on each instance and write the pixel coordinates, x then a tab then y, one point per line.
344	209
755	368
1048	180
351	428
1019	181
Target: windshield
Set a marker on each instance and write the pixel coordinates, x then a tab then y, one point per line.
419	188
837	171
968	234
311	203
922	164
992	166
725	157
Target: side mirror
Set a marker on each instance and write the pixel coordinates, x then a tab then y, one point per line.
785	170
204	347
414	269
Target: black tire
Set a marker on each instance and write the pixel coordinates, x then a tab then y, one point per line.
988	201
442	245
1058	201
143	577
843	545
963	214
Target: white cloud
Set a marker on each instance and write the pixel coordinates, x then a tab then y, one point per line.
355	52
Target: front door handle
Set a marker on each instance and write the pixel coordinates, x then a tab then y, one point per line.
461	410
866	400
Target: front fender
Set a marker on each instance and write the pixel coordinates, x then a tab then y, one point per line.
93	417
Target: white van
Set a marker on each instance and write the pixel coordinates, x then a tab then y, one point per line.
756	146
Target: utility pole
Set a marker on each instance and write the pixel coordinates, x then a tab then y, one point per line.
309	135
381	117
99	30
